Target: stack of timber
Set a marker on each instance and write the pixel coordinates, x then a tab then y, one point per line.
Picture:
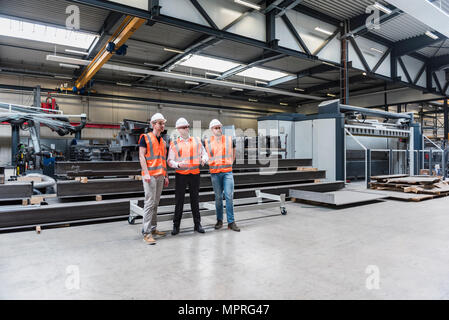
422	185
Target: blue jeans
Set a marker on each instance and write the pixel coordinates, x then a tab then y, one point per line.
223	183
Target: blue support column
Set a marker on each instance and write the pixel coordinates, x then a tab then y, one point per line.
417	162
390	158
368	167
407	161
15	140
444	164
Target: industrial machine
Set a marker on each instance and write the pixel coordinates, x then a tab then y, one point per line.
349	141
128	138
30	119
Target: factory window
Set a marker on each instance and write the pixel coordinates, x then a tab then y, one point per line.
40	32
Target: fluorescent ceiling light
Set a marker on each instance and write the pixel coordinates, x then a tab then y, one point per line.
299	89
63	77
173	50
192	82
283	104
39	32
212	74
252	100
77	52
67	65
377	50
364	73
248	4
331	95
431	35
261	73
174	90
123	84
324	31
208	63
382	8
80	62
237	89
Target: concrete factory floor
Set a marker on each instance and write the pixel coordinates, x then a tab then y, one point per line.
382	250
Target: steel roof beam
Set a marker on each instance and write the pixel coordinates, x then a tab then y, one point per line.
358	24
439	62
305	73
204	14
411	45
404	69
204	42
295	34
360	54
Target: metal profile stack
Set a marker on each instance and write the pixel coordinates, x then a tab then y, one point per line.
74	202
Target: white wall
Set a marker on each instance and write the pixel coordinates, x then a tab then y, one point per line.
305	26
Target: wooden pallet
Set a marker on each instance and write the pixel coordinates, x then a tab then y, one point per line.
424	185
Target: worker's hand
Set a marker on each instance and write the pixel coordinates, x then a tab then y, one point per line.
183	165
166	182
147	178
203	163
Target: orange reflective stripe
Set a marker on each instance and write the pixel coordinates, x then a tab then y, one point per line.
187	151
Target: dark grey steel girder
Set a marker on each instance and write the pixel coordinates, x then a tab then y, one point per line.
71	188
117	168
29	216
16	190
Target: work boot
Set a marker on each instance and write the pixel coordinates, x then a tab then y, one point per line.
175	231
219	224
233	226
158	233
148	238
199	229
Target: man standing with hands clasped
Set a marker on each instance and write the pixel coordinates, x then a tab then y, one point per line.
221	152
185	155
152	156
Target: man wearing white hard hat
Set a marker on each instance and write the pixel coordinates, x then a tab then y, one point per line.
152	156
221	152
185	155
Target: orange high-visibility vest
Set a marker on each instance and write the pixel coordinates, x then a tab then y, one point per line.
156	155
220	154
188	151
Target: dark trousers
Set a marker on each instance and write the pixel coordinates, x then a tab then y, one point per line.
182	181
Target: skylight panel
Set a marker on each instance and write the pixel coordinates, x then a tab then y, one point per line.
39	32
262	74
208	63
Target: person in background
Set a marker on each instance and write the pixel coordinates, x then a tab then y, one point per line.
152	156
221	152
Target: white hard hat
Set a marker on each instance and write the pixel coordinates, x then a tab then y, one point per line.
156	117
181	122
214	123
